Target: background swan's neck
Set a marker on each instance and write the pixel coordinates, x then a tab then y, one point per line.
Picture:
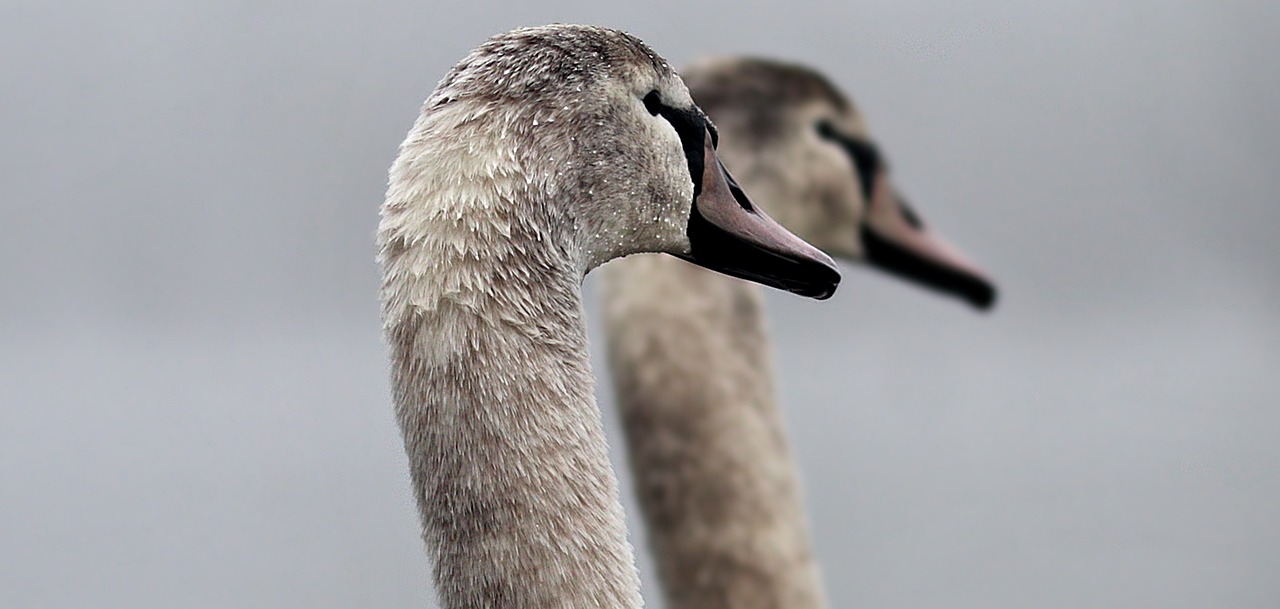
494	395
714	473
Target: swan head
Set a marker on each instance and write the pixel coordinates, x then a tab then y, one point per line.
585	138
805	153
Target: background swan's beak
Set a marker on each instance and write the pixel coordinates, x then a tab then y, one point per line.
730	235
896	240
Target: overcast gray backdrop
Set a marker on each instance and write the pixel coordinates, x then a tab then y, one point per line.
193	392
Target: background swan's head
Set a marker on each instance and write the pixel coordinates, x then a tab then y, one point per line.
585	137
804	152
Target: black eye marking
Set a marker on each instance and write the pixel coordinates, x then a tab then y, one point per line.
691	126
652	103
866	157
715	135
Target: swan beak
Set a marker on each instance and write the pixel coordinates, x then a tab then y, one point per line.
730	235
897	241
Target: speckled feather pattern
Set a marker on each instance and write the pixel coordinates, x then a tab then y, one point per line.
533	162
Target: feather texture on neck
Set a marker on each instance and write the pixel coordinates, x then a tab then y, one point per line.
493	390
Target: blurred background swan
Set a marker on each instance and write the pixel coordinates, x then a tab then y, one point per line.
193	394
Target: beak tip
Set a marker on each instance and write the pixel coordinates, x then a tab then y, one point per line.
823	293
823	286
983	297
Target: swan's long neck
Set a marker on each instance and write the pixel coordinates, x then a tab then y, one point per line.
716	480
494	396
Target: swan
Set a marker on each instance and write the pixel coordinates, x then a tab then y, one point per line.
544	153
689	352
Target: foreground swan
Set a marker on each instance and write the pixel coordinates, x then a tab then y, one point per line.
542	154
689	352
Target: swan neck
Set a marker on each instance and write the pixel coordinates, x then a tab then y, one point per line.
494	396
714	473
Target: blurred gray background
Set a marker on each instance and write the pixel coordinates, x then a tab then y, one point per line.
193	391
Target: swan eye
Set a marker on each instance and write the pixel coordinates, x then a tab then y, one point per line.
652	103
826	131
865	156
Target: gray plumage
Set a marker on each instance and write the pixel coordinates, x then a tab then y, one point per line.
533	162
689	350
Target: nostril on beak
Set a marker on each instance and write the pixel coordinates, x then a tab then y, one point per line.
738	195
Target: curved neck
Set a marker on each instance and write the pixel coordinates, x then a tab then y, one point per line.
716	481
494	396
